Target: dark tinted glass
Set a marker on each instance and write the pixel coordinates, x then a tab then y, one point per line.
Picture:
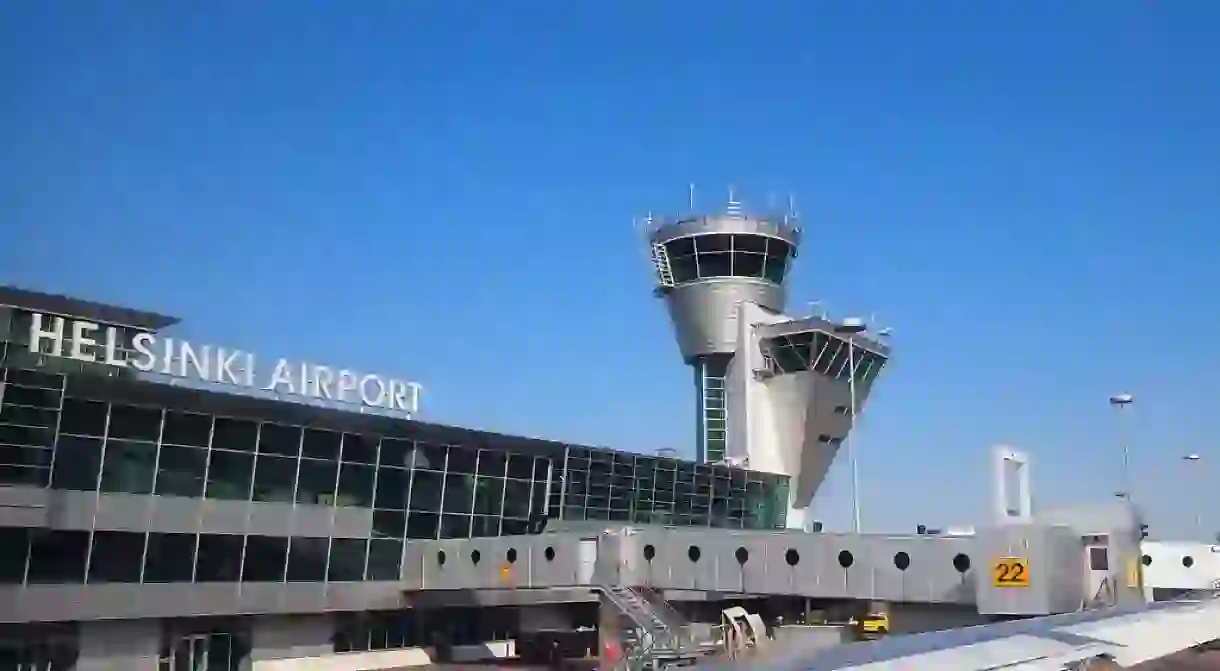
170	558
117	556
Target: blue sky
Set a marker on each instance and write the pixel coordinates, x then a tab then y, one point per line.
1024	191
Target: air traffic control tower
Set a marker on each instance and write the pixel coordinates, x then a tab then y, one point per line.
773	392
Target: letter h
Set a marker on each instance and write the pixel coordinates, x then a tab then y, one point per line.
55	335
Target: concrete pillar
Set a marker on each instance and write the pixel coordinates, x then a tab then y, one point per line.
291	636
120	645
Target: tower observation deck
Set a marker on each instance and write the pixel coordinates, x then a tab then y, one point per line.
773	392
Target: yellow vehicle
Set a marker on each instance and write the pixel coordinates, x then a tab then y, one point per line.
872	626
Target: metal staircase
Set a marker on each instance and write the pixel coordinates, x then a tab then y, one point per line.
657	636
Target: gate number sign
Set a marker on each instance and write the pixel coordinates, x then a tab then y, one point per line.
1010	572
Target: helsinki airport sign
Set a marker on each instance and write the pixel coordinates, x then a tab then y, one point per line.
149	353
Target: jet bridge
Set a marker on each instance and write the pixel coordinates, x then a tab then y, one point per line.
1070	562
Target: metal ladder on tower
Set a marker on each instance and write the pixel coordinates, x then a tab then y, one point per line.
660	259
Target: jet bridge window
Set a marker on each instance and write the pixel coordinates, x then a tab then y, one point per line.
1099	559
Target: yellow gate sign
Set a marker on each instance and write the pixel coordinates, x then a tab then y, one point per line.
1010	572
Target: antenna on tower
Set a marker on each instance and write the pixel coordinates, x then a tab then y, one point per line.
692	196
792	206
734	207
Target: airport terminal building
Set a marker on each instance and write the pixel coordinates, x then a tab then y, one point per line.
204	509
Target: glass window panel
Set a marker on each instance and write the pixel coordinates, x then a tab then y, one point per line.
538	497
747	265
521	467
136	423
265	560
426	491
346	559
355	485
360	449
83	417
459	493
307	559
316	484
715	265
11	413
129	467
77	463
38	398
26	435
542	468
777	261
488	495
279	439
274	478
321	444
16	544
683	268
455	526
510	527
58	557
230	475
492	463
680	247
234	434
187	428
516	498
180	471
169	558
219	558
389	523
430	457
116	556
750	243
395	452
33	378
423	525
385	557
462	460
392	484
715	242
485	525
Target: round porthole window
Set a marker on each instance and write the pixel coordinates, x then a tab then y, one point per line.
440	557
693	553
549	553
902	561
511	555
961	562
792	557
475	556
742	555
1146	560
1188	561
650	553
846	558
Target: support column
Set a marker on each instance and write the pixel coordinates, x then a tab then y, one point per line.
119	645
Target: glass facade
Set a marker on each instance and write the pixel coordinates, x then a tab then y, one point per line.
471	484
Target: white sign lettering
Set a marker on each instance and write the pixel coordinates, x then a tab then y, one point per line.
150	353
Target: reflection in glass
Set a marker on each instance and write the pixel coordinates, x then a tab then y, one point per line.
230	475
274	478
129	467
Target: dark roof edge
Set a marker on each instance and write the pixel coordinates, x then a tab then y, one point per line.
66	306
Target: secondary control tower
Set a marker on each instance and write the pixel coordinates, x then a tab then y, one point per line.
773	392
